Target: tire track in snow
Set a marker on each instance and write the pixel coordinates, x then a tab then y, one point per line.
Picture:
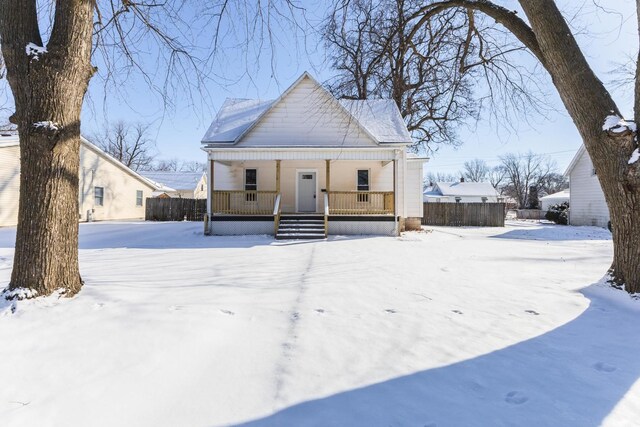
289	344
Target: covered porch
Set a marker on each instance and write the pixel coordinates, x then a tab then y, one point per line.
352	192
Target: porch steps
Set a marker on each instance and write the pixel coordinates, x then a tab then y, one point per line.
300	227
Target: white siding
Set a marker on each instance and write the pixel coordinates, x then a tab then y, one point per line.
413	189
587	204
9	185
307	116
120	188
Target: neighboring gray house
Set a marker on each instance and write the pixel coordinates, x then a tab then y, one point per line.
463	192
186	185
586	202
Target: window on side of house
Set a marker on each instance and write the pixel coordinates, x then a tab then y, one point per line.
138	197
363	184
251	184
98	194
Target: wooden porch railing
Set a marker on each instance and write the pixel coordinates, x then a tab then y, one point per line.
237	202
361	203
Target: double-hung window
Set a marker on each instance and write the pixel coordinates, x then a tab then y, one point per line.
98	193
251	184
138	197
363	184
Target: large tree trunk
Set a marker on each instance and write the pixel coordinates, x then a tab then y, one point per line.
589	104
48	88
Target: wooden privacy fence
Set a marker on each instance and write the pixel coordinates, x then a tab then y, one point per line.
464	214
175	209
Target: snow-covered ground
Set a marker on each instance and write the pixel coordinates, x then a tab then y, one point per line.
449	327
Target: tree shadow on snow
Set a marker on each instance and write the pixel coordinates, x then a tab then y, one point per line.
573	375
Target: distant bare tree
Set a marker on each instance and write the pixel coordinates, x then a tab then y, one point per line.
193	166
432	178
170	165
496	177
476	170
554	182
129	143
524	171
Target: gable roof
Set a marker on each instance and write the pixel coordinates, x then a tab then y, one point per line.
174	181
465	189
12	140
379	119
575	160
563	194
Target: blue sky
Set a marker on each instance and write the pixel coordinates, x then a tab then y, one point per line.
607	37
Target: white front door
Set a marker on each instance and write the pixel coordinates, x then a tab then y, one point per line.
306	191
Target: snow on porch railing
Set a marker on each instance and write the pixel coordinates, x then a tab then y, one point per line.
361	202
238	202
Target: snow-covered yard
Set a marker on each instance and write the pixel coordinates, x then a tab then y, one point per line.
452	327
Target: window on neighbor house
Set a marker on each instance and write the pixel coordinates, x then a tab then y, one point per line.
98	194
138	197
251	184
593	172
363	184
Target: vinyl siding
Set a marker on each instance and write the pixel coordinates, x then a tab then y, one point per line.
9	185
119	188
587	203
307	116
413	189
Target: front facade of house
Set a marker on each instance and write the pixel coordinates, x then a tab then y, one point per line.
108	189
307	154
587	205
462	192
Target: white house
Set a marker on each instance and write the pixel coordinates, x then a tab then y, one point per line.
587	205
186	185
463	192
108	189
554	199
309	165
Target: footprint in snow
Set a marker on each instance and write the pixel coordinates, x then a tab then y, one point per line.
227	312
319	310
516	398
98	305
391	311
604	367
295	316
535	313
175	307
457	311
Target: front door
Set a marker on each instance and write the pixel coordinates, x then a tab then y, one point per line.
306	191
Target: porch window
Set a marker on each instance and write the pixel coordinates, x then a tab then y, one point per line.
98	193
250	184
363	184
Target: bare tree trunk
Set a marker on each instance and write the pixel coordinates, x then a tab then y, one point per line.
48	87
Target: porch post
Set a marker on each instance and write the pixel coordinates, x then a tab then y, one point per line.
277	176
207	222
395	187
328	176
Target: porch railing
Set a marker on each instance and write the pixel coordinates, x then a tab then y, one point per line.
237	202
361	203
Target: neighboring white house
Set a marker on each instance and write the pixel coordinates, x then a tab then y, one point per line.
463	192
108	189
343	164
554	199
186	185
587	205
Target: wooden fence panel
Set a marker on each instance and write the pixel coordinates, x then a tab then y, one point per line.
464	214
175	209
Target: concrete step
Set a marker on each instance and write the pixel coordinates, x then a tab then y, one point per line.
299	236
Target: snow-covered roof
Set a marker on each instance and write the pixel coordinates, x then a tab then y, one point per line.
11	139
465	189
175	181
380	118
564	194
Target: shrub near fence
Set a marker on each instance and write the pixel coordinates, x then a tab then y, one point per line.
464	214
175	209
